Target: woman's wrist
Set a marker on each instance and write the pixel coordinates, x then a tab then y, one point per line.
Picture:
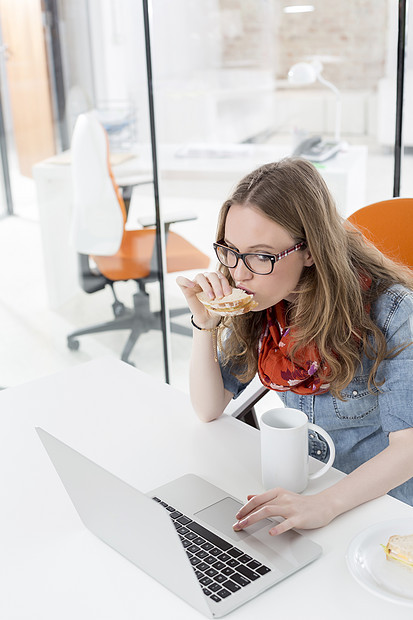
201	325
335	500
212	331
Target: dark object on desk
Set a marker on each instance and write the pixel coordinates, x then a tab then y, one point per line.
107	252
316	149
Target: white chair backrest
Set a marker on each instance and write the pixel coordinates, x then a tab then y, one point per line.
97	222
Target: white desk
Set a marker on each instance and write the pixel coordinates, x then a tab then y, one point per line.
146	433
200	176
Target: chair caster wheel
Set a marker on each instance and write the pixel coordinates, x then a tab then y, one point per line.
118	309
73	345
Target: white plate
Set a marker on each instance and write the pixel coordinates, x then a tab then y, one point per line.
366	560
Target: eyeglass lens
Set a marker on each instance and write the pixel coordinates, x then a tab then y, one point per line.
259	263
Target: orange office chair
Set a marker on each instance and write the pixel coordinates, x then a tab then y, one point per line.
99	235
389	225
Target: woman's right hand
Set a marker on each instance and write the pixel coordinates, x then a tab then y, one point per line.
214	284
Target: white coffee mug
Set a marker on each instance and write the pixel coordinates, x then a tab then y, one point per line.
284	449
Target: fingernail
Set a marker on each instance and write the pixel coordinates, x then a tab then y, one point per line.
273	531
240	524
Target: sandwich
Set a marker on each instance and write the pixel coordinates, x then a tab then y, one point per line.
238	302
400	548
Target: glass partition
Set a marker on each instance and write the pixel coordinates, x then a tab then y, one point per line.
239	83
67	58
228	96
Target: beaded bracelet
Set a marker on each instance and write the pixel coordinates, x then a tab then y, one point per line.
213	331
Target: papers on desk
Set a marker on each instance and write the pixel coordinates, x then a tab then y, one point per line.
64	158
214	151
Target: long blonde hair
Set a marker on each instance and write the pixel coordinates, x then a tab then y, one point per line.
330	306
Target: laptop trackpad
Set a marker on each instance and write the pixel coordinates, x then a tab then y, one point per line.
222	517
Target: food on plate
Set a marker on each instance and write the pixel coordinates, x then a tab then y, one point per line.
238	302
400	548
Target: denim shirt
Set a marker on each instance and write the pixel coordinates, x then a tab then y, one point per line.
359	425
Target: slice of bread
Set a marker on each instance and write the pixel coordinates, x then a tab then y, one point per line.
234	299
238	302
400	548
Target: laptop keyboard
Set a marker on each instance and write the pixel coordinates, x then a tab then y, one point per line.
221	568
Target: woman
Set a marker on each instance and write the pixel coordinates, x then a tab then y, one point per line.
331	333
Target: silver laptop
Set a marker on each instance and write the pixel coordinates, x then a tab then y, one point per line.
181	533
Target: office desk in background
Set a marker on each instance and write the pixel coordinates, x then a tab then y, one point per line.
146	433
188	173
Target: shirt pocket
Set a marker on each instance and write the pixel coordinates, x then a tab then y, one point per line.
359	402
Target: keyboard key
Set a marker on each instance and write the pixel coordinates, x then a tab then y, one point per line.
190	536
247	572
234	552
218	565
215	598
214	587
244	558
183	530
210	536
193	548
233	563
228	571
207	546
186	543
263	570
194	561
205	581
199	541
203	566
184	520
253	565
215	551
219	578
210	559
211	572
206	591
175	514
170	509
224	557
223	593
202	554
231	585
156	499
240	580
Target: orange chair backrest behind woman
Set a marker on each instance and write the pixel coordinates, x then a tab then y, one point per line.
389	225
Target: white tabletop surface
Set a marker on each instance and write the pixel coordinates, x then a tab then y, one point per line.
145	432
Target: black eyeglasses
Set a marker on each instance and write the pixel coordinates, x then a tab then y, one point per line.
260	263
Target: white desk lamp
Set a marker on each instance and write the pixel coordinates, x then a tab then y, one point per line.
304	73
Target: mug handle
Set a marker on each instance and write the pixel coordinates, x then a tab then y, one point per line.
330	443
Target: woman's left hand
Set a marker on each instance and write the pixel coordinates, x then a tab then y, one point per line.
298	511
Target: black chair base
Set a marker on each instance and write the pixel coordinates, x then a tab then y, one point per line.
140	320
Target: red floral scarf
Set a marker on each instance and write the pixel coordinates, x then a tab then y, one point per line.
275	368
